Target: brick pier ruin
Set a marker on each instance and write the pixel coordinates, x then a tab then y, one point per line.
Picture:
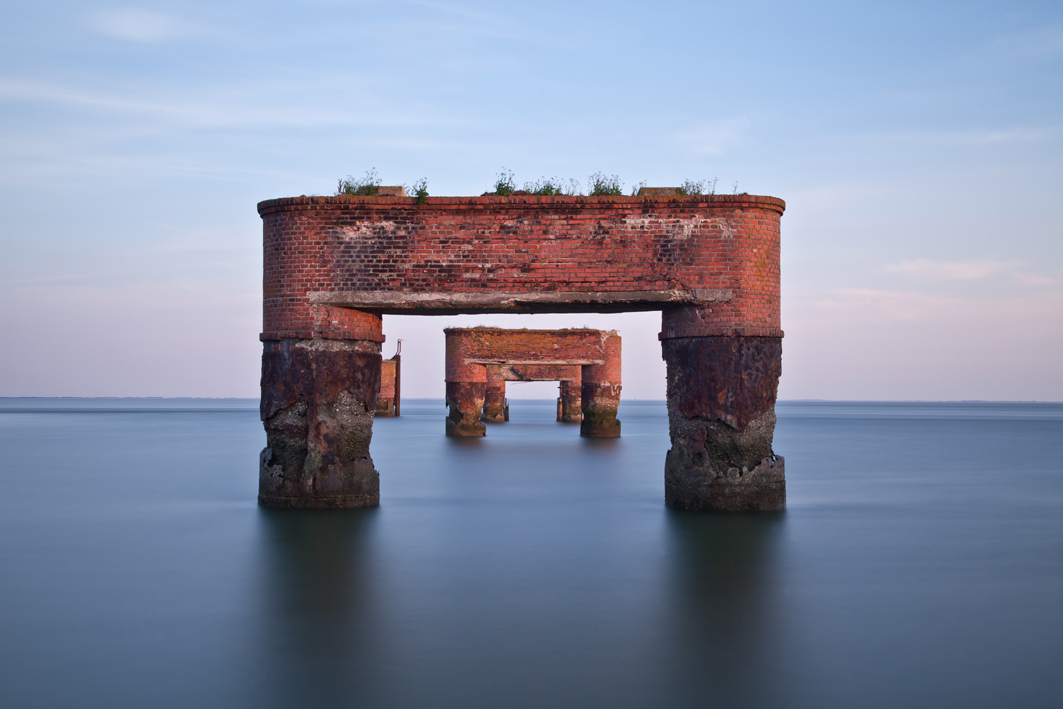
389	396
480	360
333	266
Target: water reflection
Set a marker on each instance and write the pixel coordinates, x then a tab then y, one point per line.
725	614
318	605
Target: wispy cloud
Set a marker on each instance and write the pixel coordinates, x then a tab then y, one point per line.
846	307
973	270
988	136
950	270
861	343
229	106
144	26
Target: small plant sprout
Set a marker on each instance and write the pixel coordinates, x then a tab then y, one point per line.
420	190
364	187
734	188
504	184
700	187
601	185
551	187
636	188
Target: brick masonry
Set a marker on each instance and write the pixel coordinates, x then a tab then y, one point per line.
334	265
388	396
517	245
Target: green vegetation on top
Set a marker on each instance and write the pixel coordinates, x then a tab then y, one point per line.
598	185
367	186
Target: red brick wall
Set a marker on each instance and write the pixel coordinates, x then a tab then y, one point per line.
608	372
520	244
387	379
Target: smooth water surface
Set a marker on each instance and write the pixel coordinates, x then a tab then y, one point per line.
919	564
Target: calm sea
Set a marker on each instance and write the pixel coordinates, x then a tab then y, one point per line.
920	564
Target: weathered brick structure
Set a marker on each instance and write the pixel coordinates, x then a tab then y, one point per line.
480	360
496	405
389	396
335	265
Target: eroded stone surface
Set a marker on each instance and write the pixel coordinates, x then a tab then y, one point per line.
465	402
599	404
569	403
495	401
721	420
730	379
318	399
600	393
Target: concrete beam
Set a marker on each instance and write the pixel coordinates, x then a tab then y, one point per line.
439	303
544	362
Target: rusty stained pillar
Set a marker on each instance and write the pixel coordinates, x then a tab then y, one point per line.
387	399
569	409
397	359
318	399
600	392
721	420
466	389
495	409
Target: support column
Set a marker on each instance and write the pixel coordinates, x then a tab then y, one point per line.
569	409
318	399
495	397
721	419
387	398
465	403
466	387
600	392
397	359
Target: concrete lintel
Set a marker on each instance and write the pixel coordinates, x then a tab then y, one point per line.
399	302
544	362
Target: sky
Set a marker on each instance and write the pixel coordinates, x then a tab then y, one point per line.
918	146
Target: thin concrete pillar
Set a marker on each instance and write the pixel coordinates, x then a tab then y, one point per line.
495	397
397	359
569	409
600	392
318	399
721	419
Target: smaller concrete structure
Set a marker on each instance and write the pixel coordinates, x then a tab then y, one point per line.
388	401
481	360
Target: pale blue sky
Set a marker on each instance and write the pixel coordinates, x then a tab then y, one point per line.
918	147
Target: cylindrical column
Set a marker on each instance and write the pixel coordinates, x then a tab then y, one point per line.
466	387
465	402
318	399
495	396
600	392
569	409
721	419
